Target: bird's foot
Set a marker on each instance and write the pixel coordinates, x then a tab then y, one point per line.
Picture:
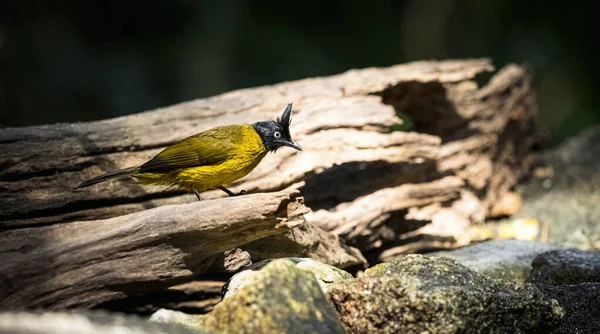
231	193
198	196
242	192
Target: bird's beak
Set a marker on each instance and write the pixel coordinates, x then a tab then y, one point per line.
293	144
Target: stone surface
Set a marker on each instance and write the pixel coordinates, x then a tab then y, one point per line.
97	322
419	294
505	258
564	195
581	304
567	266
281	298
324	273
165	316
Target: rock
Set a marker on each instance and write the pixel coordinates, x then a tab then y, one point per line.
280	298
165	316
564	195
324	273
418	294
505	258
581	303
566	266
97	322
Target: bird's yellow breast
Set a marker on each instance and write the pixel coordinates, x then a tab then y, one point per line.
245	153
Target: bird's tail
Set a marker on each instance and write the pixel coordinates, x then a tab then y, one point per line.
108	176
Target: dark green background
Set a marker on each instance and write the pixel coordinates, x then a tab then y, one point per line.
63	61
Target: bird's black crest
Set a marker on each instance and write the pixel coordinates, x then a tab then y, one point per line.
276	133
285	120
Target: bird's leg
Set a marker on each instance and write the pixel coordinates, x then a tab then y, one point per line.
198	195
231	193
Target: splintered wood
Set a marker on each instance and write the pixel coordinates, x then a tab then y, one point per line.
382	190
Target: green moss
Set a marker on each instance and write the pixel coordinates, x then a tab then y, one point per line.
407	123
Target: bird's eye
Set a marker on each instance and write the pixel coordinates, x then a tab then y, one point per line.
277	134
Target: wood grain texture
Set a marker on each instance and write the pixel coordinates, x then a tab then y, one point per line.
83	264
362	219
381	190
340	121
306	240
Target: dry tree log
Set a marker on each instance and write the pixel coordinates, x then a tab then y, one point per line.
340	121
379	188
83	264
488	136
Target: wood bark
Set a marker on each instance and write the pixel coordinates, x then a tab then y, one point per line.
365	221
83	264
343	126
369	181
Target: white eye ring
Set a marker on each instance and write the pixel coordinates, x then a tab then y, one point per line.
277	134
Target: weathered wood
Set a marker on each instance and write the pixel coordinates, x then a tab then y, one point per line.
361	222
383	190
82	264
489	133
306	240
340	121
488	140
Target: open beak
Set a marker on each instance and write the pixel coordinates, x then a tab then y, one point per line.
293	144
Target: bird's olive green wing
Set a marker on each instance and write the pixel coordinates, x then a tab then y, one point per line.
210	147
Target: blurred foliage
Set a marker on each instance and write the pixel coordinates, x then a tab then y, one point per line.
407	124
63	61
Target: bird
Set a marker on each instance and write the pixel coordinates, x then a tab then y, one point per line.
210	159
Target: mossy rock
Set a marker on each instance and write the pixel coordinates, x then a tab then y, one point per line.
280	298
324	273
581	303
418	294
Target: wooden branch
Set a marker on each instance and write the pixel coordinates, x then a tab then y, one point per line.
342	125
83	264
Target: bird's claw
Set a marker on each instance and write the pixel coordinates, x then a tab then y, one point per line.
231	193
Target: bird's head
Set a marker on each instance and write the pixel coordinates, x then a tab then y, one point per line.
275	134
